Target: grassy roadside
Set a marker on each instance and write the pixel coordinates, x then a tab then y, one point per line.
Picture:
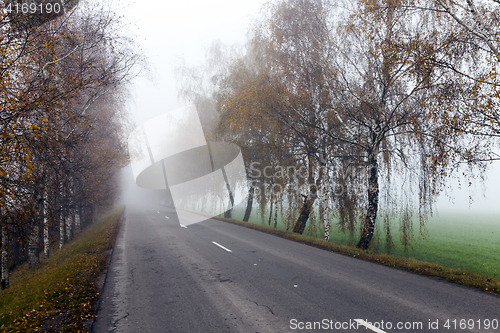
458	276
60	294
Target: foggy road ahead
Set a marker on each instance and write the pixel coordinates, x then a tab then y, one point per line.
218	277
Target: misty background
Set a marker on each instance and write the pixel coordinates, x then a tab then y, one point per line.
172	32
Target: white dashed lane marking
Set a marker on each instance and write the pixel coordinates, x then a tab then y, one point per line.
222	247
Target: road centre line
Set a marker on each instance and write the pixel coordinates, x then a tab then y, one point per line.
367	325
167	217
182	225
222	247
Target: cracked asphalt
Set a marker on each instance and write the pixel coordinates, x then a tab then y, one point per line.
165	278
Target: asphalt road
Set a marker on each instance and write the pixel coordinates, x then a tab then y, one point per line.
218	277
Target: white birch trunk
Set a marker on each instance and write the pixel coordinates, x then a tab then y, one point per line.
61	219
5	259
326	211
373	193
70	212
61	229
33	258
46	238
77	222
69	226
275	225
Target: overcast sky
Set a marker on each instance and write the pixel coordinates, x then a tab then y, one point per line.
169	30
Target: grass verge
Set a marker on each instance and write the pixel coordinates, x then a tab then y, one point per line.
60	294
458	276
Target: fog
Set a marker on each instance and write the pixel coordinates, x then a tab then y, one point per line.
483	196
169	31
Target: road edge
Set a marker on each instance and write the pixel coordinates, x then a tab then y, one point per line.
464	278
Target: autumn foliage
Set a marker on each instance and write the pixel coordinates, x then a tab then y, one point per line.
61	125
378	102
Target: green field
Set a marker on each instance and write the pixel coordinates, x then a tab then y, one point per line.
467	241
470	242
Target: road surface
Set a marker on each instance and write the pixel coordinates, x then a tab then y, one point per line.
219	277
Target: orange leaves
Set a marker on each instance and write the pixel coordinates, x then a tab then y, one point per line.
59	114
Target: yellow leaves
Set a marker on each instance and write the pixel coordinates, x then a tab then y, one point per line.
33	127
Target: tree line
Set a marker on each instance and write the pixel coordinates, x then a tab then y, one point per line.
377	102
63	82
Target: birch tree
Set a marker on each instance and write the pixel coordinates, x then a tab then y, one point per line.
469	59
382	105
61	92
287	46
356	92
